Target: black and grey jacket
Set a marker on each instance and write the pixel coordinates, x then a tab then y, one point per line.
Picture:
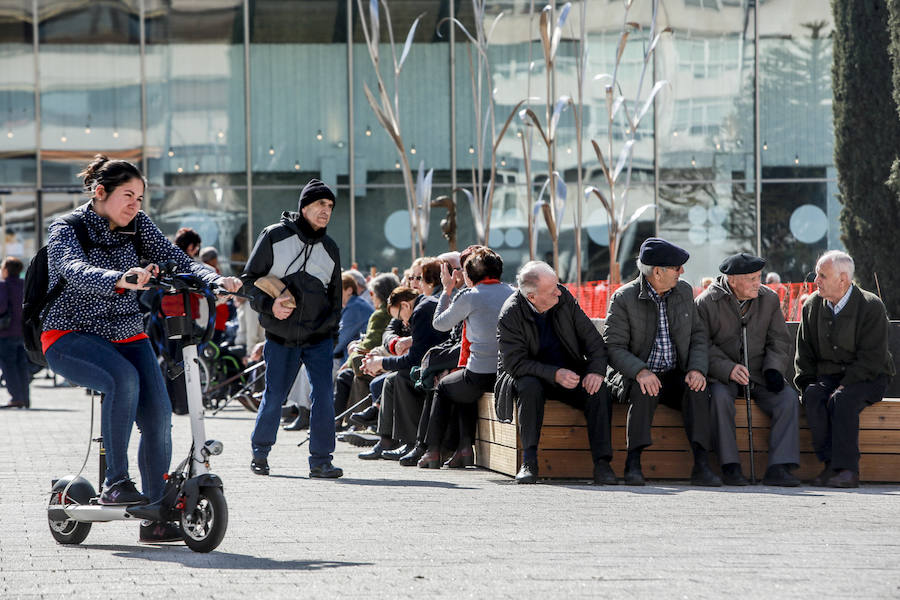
308	262
90	301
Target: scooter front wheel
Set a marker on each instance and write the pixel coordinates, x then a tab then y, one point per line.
68	531
204	527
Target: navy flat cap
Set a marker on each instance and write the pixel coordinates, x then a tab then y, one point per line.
657	252
740	264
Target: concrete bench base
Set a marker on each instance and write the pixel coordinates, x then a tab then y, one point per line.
564	452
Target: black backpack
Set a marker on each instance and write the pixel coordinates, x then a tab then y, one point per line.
37	295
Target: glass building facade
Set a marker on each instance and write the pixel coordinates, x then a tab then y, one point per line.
230	106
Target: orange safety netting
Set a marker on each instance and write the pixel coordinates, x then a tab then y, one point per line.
594	297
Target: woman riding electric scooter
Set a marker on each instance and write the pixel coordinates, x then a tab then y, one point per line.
93	333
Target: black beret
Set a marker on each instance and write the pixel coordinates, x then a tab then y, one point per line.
657	252
314	190
740	264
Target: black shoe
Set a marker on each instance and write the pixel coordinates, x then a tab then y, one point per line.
411	458
378	450
325	471
301	422
778	475
289	412
358	439
14	405
156	532
703	476
398	453
366	418
732	475
844	478
528	472
260	466
603	474
633	474
122	493
821	480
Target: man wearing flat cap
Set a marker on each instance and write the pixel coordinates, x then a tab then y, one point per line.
736	299
658	353
299	268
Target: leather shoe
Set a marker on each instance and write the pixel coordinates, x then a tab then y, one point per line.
844	478
732	475
260	466
821	480
461	459
301	422
325	471
377	450
366	418
528	472
778	475
603	474
703	476
358	439
14	405
430	460
634	476
397	453
411	458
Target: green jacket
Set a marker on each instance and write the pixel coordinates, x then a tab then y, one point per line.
630	328
378	321
767	334
853	344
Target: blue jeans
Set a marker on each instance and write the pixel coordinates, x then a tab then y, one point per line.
282	365
14	363
133	391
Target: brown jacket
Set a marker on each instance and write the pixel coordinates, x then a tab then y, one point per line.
767	334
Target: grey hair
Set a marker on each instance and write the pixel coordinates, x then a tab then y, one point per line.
530	275
358	277
842	261
646	270
773	277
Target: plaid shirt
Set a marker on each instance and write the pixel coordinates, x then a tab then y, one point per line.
662	356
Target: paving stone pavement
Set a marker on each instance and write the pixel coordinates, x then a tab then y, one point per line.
387	531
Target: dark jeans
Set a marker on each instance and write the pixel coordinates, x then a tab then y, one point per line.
675	393
534	392
462	388
401	407
833	417
14	363
129	378
282	365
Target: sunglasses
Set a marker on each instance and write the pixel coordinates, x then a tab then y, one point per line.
415	278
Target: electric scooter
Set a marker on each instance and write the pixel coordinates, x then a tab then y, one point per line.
192	495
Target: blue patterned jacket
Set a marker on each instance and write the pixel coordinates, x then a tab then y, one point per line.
89	302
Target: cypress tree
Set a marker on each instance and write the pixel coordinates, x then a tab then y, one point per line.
866	142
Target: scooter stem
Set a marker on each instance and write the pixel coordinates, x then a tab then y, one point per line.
195	408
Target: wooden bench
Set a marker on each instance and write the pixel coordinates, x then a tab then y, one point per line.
563	451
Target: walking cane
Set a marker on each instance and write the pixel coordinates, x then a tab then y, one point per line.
338	418
747	397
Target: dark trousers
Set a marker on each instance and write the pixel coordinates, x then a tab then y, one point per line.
533	393
675	393
342	384
14	363
401	407
462	388
833	417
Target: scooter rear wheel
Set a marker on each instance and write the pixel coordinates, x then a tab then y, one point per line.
68	531
204	527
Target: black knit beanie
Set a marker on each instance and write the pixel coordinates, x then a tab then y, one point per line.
314	190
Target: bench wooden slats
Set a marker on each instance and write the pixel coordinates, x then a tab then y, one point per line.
564	450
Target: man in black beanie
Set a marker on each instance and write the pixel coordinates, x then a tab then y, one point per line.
658	353
301	322
734	301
